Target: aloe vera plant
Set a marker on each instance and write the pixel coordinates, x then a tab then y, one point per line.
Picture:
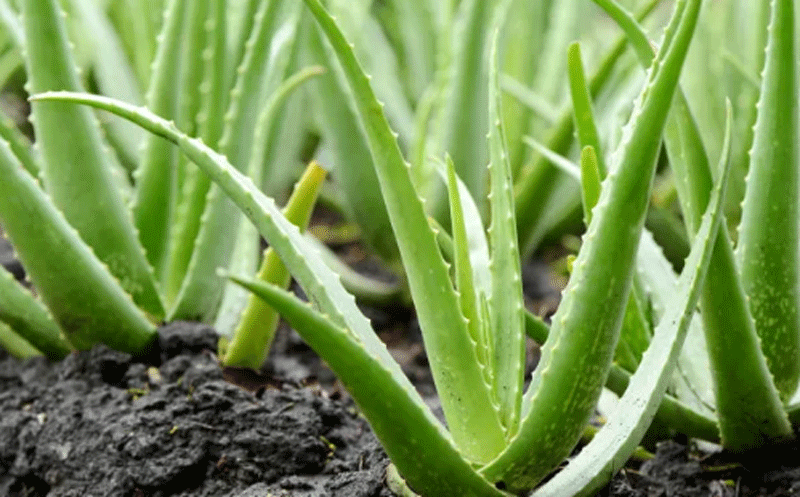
112	254
499	439
748	306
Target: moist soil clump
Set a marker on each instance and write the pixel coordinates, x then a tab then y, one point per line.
102	424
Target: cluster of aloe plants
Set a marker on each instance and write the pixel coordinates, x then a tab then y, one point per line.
116	240
419	198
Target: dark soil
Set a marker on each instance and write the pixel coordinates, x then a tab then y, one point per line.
101	423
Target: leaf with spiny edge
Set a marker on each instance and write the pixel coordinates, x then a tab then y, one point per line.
505	304
262	70
77	166
766	252
213	95
470	412
114	75
86	301
156	180
29	319
254	322
352	162
469	292
244	260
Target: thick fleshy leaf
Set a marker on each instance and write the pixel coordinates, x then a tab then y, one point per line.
76	166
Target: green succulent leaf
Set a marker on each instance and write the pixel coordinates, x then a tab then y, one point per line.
93	307
156	178
471	414
767	253
29	319
76	166
505	304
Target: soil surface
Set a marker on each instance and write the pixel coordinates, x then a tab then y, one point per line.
101	423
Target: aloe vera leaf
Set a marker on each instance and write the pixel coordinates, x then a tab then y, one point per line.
767	253
351	157
582	107
474	237
634	336
378	56
29	319
93	307
469	293
747	401
590	181
535	186
268	48
12	23
257	321
415	23
672	411
577	355
618	438
16	345
188	213
505	303
19	144
114	75
464	279
465	120
76	164
425	459
245	252
414	440
190	76
155	176
317	279
472	417
635	329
